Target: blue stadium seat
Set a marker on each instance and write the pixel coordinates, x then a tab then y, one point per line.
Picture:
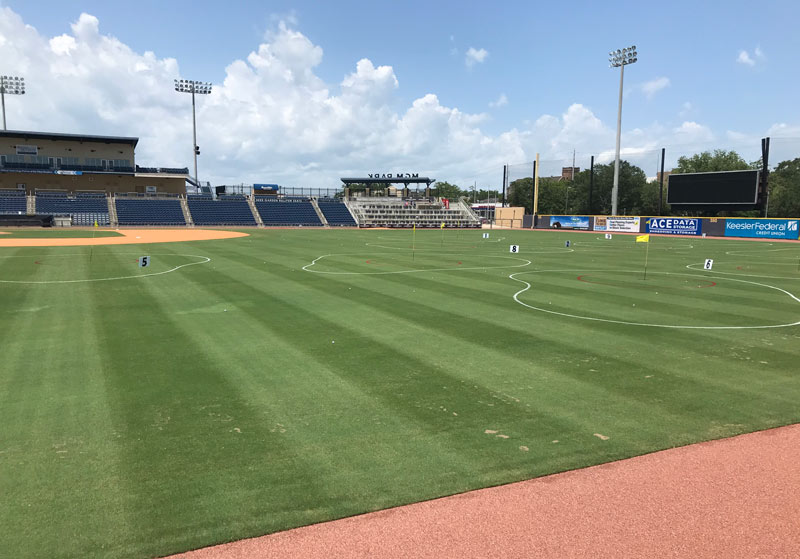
335	212
287	212
143	211
13	202
85	207
228	210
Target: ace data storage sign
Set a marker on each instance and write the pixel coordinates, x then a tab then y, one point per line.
674	225
762	228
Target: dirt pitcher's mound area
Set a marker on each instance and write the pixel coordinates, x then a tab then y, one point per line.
130	237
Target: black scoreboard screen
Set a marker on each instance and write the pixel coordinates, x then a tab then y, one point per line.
720	188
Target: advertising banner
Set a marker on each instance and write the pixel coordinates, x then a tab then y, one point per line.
617	224
569	222
674	225
762	228
27	150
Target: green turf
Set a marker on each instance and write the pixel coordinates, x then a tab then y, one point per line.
56	233
155	414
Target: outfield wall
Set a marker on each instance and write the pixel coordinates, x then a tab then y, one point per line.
754	228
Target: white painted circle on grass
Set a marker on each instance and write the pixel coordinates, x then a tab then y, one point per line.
631	323
307	267
204	260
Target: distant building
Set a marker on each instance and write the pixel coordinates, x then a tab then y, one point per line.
666	176
567	173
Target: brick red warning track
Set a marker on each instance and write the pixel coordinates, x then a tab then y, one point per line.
737	497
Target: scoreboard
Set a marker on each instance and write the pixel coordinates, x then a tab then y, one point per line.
723	188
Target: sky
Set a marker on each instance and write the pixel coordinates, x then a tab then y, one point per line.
307	92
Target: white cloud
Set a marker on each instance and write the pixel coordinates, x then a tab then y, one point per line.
273	119
654	86
475	56
501	101
691	132
745	58
686	108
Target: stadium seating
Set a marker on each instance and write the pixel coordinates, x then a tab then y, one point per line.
228	210
335	212
289	211
85	207
147	211
13	202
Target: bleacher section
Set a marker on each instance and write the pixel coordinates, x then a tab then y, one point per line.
149	211
13	202
228	210
389	212
84	207
287	212
335	212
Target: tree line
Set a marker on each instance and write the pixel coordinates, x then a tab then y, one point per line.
637	195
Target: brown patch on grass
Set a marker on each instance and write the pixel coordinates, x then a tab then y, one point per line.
601	437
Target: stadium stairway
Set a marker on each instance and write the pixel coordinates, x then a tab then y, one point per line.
187	215
256	215
112	212
31	207
319	212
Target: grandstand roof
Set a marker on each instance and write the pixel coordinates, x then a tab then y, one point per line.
71	137
387	180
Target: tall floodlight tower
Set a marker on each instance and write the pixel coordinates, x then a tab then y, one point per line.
13	86
199	88
619	59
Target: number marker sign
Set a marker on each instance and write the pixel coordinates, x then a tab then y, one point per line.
144	261
567	244
486	235
513	249
608	235
709	263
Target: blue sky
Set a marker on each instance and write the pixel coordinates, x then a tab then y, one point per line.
710	74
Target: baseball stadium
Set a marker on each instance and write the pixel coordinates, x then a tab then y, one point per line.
593	352
182	370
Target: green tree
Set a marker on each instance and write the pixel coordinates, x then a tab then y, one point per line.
706	162
446	190
632	181
520	193
784	189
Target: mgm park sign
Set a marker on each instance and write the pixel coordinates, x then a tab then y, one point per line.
393	175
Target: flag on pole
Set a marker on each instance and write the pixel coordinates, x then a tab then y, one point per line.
95	223
442	227
642	238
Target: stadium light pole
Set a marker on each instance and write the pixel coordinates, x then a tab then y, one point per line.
13	86
200	88
619	59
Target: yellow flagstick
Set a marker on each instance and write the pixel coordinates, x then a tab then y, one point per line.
442	228
644	239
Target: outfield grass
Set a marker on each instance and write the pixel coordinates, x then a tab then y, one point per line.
56	233
151	415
